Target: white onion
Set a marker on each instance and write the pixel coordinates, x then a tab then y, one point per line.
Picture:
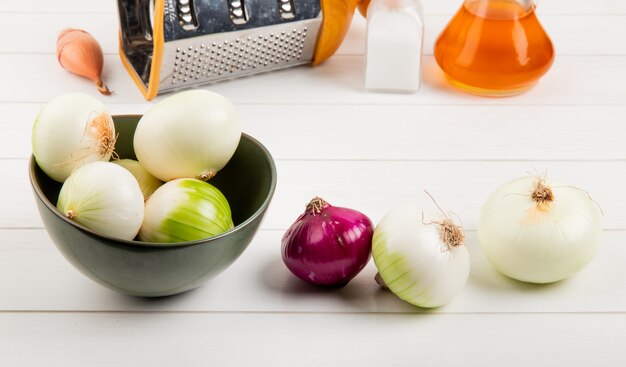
71	130
415	261
191	134
147	183
538	230
184	210
105	198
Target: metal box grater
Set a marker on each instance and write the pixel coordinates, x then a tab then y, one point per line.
172	44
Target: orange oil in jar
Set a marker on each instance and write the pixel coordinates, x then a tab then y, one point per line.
494	48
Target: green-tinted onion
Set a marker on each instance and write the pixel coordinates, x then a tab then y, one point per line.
423	263
183	210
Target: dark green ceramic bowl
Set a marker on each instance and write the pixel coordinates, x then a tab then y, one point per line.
144	269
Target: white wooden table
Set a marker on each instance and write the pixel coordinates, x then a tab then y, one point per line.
367	151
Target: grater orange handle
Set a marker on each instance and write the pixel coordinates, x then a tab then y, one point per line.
363	4
335	24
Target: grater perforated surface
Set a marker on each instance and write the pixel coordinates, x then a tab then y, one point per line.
227	55
230	56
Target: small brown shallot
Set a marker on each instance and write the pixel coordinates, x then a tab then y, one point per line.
79	53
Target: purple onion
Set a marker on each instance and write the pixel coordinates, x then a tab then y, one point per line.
328	245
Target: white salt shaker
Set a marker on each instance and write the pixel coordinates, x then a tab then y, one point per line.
395	37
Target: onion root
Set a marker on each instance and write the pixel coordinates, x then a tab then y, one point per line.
101	127
102	88
450	233
207	175
542	194
381	282
316	205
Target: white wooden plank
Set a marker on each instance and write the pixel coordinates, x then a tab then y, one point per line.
45	29
411	132
573	80
377	186
66	6
259	282
571	34
374	187
430	6
311	340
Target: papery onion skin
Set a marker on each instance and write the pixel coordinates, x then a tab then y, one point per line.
184	210
414	262
539	243
71	130
105	198
147	183
329	247
192	134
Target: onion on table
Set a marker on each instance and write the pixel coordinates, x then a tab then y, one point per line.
327	245
80	53
424	263
539	230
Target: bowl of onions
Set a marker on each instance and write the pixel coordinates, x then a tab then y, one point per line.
173	252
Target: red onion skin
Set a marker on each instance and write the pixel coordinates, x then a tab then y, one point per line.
328	248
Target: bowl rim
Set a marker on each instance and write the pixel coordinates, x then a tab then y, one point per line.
161	245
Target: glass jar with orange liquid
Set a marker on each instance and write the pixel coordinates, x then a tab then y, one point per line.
494	47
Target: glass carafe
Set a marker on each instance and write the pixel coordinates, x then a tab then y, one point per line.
494	47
